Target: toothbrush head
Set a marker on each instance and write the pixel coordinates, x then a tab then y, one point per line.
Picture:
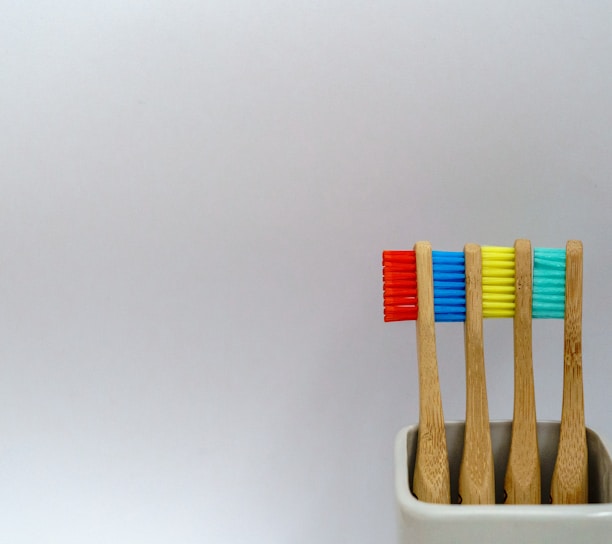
548	283
399	285
498	281
449	285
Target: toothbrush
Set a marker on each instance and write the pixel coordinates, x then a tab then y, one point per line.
476	473
569	483
408	278
522	484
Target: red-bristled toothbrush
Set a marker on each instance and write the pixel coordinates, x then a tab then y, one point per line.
408	279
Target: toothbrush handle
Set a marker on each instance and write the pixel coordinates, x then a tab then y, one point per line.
431	481
476	474
522	484
569	483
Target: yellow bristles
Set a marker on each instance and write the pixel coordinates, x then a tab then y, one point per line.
498	290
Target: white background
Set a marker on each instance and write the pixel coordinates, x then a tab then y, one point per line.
194	200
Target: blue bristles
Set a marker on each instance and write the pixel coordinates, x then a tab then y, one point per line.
548	283
449	285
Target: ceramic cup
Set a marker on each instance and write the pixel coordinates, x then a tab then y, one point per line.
424	523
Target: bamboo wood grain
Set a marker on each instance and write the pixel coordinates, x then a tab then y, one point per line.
522	484
569	483
431	482
476	473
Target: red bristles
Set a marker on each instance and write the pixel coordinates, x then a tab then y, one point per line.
399	285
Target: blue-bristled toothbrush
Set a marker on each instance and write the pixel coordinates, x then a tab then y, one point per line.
476	473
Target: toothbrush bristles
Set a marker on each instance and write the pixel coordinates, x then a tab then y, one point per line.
549	283
498	289
399	285
449	285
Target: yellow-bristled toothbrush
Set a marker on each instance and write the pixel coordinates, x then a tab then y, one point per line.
507	292
476	473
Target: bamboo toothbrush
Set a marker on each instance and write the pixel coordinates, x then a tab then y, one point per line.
408	278
569	483
476	474
522	484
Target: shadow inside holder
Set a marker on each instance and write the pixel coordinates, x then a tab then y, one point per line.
600	464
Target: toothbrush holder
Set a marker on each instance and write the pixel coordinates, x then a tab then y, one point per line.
425	523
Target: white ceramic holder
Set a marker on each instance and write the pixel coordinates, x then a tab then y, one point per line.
425	523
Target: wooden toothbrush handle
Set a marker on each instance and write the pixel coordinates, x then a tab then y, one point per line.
522	484
476	474
431	481
569	483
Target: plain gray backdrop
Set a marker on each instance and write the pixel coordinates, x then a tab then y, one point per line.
194	200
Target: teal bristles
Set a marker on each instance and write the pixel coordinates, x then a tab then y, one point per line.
449	285
548	283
